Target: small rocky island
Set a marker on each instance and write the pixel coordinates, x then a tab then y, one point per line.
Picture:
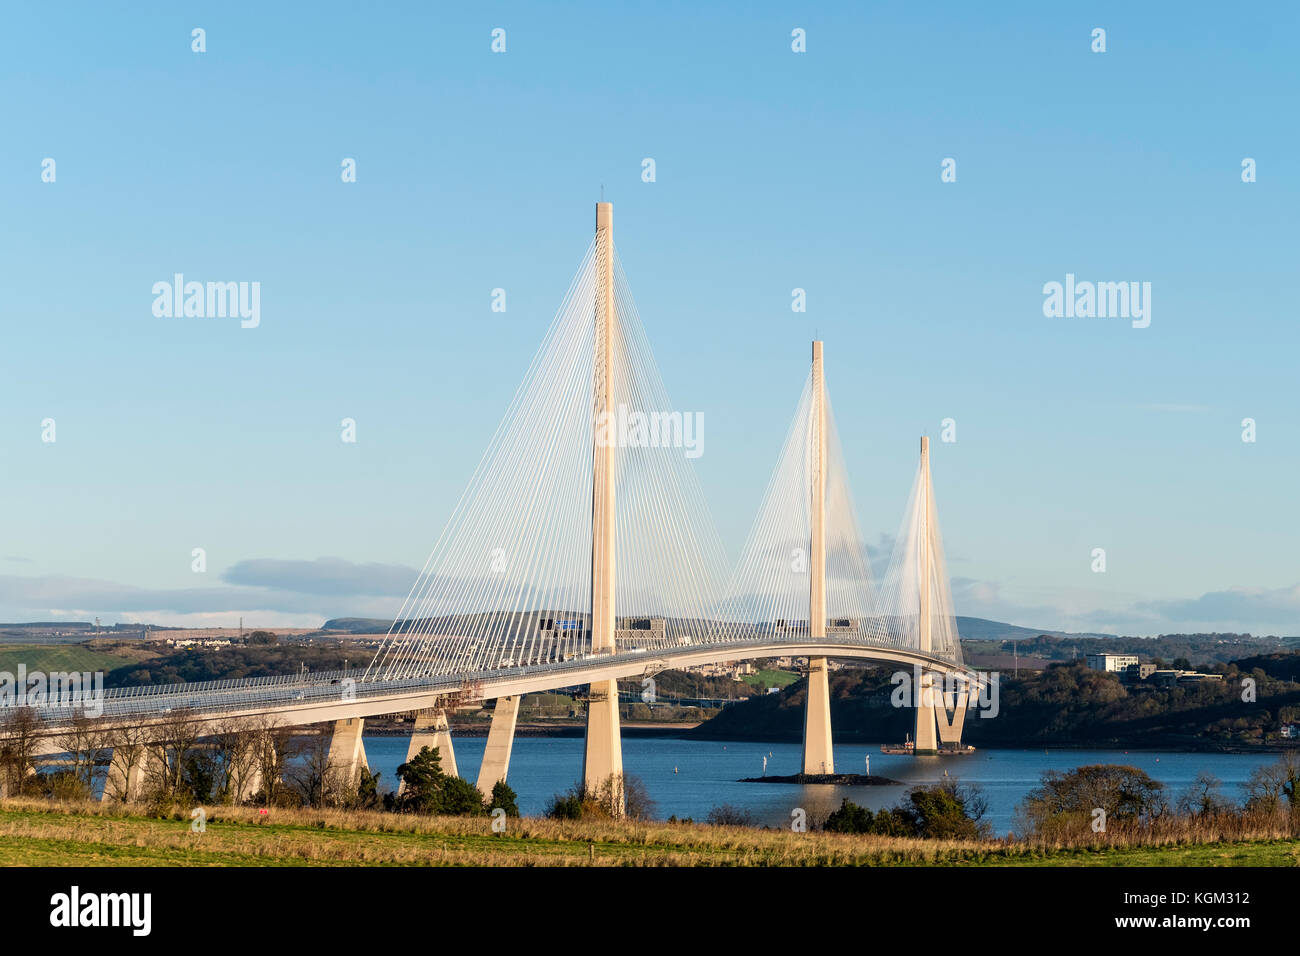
836	779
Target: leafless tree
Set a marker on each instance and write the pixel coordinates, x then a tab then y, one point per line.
174	740
129	755
621	795
86	741
18	741
274	746
318	780
234	744
1276	786
1204	797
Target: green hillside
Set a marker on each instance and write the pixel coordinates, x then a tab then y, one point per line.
1064	705
55	657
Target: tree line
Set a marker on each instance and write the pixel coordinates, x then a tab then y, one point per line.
182	760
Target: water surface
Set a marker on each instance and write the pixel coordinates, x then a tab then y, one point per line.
686	778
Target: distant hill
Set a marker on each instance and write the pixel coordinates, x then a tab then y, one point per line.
980	629
357	625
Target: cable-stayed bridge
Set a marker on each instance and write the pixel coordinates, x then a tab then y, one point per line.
583	552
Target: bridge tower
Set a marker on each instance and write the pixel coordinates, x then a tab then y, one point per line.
817	754
927	700
603	757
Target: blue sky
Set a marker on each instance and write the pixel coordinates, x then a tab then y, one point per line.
775	170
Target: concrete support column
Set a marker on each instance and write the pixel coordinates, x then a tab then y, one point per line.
501	738
950	728
120	780
603	757
347	752
251	784
927	701
432	731
818	756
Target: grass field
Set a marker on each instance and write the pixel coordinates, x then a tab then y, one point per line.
772	678
56	657
35	833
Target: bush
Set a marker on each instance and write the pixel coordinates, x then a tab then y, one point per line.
426	789
850	818
1066	799
947	811
460	798
368	796
566	806
616	796
727	815
61	785
503	798
941	811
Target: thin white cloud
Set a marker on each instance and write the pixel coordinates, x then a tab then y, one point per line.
64	598
332	576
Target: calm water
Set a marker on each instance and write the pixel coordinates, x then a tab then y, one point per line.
708	772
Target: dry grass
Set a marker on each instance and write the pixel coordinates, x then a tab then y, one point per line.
1177	830
45	833
363	837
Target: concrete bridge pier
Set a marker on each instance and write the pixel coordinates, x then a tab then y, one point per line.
602	757
950	728
250	785
928	702
817	754
127	783
501	738
432	731
347	752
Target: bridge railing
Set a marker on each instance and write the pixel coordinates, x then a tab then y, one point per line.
151	690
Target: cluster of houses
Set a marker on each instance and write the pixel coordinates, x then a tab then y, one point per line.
1132	671
197	642
733	669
